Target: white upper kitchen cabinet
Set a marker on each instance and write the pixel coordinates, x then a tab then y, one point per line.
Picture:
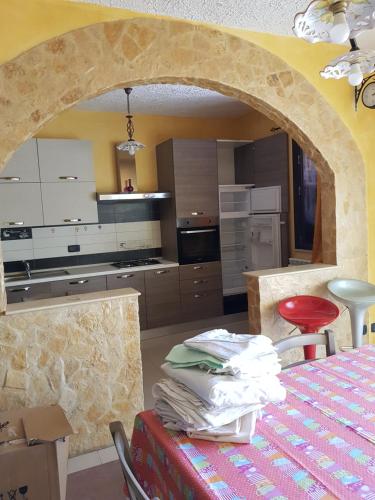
65	160
23	165
20	205
69	203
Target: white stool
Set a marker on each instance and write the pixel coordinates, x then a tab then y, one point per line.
358	296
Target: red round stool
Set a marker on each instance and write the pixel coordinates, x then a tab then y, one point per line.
309	314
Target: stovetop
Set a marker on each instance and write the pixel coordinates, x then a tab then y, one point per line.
136	263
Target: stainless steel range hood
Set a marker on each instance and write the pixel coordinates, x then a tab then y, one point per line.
131	196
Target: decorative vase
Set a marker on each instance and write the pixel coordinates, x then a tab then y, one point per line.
129	188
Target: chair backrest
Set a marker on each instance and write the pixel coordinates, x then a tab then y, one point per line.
327	338
136	491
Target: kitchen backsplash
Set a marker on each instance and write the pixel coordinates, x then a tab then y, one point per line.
67	241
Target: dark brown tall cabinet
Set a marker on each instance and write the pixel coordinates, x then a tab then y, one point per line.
265	162
188	169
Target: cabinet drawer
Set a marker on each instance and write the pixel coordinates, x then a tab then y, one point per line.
20	205
125	279
65	160
23	293
201	284
76	286
23	166
164	278
69	203
192	271
204	304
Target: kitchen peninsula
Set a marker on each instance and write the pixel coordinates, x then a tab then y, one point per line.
82	352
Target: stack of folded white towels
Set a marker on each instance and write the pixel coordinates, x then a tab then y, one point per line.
218	383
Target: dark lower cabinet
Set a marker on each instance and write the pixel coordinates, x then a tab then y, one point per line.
201	291
163	303
168	295
23	293
134	280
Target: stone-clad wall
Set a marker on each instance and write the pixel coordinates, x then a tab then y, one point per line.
86	357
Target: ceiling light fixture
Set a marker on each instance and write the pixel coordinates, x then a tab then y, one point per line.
352	65
334	21
131	145
337	21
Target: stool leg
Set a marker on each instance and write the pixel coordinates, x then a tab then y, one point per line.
357	319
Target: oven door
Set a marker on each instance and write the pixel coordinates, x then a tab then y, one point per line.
198	244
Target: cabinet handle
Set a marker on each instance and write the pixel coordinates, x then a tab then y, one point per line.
124	276
16	223
24	289
79	282
195	231
161	272
199	282
68	178
14	179
199	295
72	220
197	268
197	213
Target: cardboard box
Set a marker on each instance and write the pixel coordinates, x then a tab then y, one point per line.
34	453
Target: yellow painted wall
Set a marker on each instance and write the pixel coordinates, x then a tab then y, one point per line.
106	129
24	24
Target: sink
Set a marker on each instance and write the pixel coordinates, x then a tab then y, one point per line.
35	275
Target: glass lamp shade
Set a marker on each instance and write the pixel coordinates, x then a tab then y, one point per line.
131	146
352	65
322	22
355	76
340	31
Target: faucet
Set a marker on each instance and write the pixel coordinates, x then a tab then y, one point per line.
27	268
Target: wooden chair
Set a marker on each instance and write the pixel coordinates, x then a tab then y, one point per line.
327	338
135	490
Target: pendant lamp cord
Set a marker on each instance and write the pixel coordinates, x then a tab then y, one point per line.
129	126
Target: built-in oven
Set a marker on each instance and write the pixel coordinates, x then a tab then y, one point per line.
198	244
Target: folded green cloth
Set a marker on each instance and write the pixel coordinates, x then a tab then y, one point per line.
182	357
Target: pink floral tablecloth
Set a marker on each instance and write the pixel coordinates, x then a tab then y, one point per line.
318	444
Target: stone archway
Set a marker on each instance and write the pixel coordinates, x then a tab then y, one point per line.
58	73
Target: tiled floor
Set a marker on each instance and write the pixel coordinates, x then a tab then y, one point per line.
103	482
101	478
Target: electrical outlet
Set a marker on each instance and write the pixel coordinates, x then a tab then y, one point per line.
364	329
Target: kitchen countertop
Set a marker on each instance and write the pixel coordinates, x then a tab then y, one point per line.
88	271
71	300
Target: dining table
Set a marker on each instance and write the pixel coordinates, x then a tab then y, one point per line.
319	443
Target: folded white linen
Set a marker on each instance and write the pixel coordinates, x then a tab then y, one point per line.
241	367
223	391
243	430
176	405
226	346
